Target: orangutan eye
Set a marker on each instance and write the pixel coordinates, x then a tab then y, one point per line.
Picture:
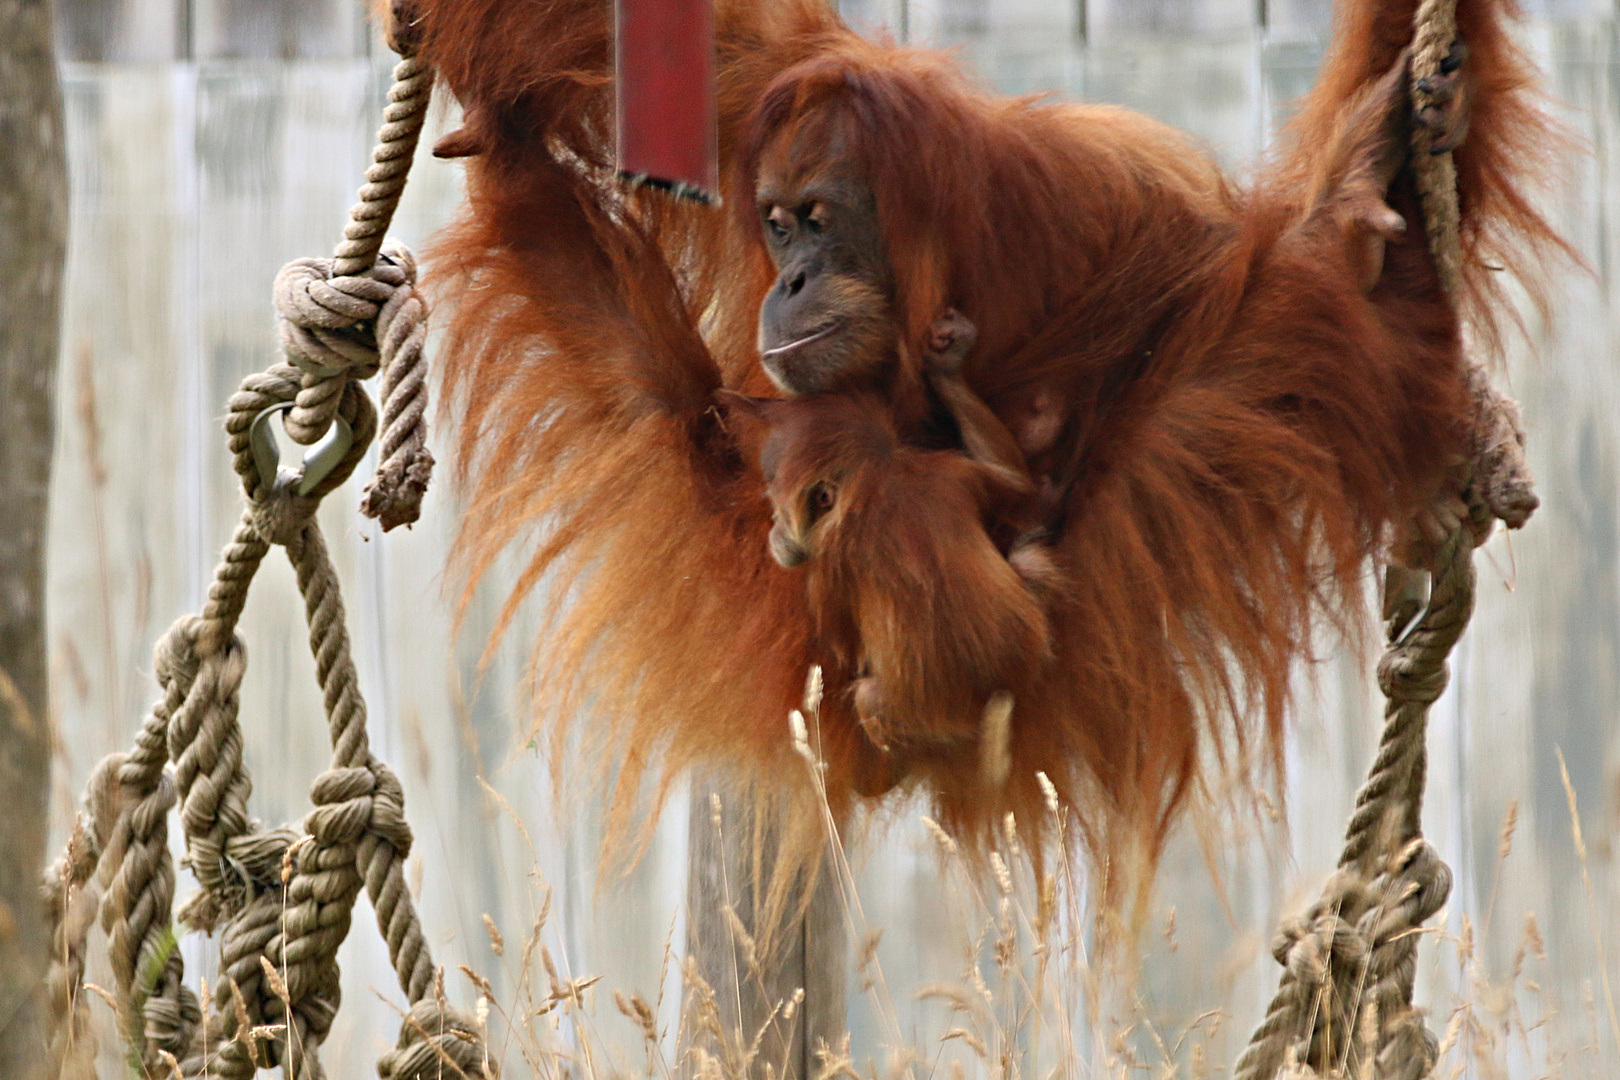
779	222
820	499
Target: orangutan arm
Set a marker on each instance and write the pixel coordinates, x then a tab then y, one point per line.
984	437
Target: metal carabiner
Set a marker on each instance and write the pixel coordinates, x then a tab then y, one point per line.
1405	601
319	460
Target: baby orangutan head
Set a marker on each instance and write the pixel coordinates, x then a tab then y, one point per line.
817	453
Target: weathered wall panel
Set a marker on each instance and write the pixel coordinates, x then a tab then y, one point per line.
194	180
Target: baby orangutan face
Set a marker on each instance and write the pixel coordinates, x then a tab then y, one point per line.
815	452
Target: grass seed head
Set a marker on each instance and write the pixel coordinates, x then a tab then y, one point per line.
277	987
1504	837
1049	792
813	688
995	752
1003	876
497	943
940	835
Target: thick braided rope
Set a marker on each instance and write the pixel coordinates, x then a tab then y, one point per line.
1412	890
358	828
310	974
403	117
284	895
1434	30
205	745
1317	951
319	899
358	831
72	895
1413	674
129	797
199	664
1406	879
343	318
404	466
342	303
1389	880
1502	477
137	876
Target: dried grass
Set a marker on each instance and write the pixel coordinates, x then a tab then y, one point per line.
1028	1003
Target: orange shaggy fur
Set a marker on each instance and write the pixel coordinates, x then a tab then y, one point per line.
1243	424
903	579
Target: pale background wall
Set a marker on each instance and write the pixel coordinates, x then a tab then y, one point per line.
212	140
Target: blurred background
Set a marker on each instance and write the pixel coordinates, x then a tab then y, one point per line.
213	140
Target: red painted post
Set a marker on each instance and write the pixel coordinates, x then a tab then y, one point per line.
664	72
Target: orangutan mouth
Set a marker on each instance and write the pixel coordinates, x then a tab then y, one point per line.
807	339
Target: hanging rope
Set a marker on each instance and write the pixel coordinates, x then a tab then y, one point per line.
344	318
1345	998
280	899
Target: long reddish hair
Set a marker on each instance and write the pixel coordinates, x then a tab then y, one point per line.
1243	424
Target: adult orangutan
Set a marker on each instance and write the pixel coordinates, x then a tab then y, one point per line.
1227	398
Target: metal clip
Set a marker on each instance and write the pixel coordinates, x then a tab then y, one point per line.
319	460
1406	600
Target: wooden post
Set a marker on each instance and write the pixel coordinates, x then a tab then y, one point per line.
755	973
33	243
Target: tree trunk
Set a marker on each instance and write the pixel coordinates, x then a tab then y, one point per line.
33	239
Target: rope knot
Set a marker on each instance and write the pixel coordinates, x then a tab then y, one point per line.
175	660
1309	949
1410	1050
171	1015
327	324
261	854
1417	887
388	810
280	515
343	802
1408	676
339	328
331	326
436	1040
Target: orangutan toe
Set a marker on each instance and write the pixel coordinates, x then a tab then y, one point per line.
869	710
1445	113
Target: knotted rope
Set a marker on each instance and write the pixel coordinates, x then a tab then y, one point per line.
1344	1003
344	318
280	899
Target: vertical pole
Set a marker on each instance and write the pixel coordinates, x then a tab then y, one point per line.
753	968
33	240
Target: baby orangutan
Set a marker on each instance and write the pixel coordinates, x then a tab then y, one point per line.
897	548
